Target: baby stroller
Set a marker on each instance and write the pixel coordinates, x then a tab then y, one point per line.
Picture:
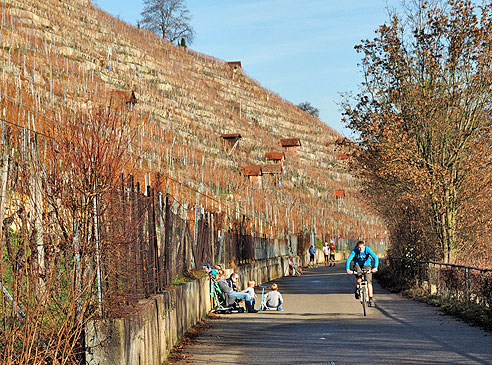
221	302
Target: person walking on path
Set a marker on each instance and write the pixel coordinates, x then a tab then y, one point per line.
326	251
332	254
312	251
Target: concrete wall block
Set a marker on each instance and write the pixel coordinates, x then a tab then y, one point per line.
104	341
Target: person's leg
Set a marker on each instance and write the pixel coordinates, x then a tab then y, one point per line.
358	275
247	300
369	287
357	282
369	281
239	295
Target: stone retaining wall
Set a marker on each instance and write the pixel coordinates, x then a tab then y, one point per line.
149	335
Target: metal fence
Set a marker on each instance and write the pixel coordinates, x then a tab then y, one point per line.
160	242
461	283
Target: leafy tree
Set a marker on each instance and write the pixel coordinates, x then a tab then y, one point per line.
169	19
422	113
308	108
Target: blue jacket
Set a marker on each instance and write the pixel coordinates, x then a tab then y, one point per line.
362	258
311	250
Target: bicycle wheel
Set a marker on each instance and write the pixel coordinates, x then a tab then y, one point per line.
363	293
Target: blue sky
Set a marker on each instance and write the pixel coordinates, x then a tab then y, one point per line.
301	50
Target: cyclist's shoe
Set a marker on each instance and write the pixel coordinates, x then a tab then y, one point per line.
356	293
371	302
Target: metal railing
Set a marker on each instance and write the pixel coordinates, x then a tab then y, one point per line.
460	283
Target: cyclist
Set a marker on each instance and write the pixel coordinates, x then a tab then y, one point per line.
361	255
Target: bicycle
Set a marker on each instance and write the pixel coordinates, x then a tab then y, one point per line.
363	290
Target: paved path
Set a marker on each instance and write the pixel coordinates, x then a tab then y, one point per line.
323	323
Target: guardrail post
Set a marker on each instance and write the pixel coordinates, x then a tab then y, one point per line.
439	280
434	278
467	280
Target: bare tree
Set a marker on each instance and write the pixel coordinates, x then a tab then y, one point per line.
169	19
308	108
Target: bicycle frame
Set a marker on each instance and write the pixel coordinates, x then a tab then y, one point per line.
363	290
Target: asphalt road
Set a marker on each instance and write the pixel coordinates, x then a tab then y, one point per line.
322	323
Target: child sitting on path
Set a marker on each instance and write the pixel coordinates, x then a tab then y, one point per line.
251	291
273	299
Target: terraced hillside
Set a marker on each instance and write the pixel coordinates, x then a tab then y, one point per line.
69	55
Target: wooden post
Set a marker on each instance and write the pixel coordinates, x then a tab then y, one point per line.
37	202
4	176
167	226
152	240
98	251
78	272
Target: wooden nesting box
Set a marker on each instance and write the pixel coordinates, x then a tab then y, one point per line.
338	193
231	140
272	170
290	146
235	65
253	173
275	157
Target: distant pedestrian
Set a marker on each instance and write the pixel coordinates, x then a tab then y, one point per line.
326	251
332	254
312	251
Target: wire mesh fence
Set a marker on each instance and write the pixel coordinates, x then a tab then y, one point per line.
120	241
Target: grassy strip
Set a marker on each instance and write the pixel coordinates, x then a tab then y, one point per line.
187	277
470	312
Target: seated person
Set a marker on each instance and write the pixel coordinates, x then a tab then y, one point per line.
273	299
210	270
229	288
250	290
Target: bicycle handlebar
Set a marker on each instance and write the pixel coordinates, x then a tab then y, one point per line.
363	271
